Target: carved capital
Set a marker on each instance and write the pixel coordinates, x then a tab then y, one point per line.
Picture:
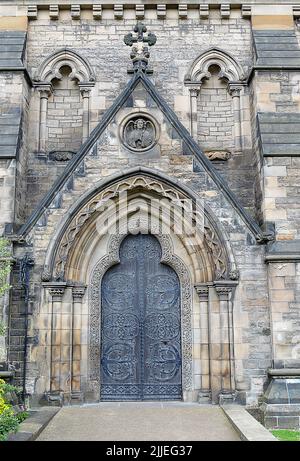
195	90
225	288
234	89
223	293
45	90
57	292
85	91
202	291
78	293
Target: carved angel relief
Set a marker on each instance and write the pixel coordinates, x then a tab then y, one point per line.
139	133
217	155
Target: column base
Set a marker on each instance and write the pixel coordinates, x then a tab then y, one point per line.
204	396
227	398
76	398
55	398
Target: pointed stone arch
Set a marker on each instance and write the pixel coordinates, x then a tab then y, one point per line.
229	73
48	74
50	67
87	243
230	69
211	240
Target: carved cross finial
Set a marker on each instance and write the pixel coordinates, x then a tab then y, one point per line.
139	51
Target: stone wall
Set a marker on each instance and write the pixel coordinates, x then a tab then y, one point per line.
266	301
215	115
101	43
252	325
282	196
284	295
14	102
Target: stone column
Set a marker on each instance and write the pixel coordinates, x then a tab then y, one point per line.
235	90
194	92
45	92
85	93
205	391
224	290
77	293
215	357
57	292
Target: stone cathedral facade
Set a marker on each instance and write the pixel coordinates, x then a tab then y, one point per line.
150	191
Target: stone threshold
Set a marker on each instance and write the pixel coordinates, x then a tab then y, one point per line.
31	428
247	427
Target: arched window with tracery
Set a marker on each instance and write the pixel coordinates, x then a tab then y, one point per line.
64	118
64	81
216	81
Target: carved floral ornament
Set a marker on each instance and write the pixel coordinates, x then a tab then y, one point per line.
96	206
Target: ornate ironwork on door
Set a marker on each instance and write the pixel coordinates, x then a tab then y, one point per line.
141	342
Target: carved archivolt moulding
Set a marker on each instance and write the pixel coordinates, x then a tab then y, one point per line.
96	206
111	258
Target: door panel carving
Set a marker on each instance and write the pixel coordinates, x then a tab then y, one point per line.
141	342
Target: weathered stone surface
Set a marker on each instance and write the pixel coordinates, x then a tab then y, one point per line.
257	122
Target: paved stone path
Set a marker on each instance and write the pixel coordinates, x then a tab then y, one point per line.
140	421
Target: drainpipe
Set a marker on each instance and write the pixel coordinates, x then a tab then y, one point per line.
24	278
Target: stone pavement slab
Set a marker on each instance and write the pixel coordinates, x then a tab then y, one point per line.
34	424
147	421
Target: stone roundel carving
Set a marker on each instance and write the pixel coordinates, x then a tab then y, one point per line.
139	133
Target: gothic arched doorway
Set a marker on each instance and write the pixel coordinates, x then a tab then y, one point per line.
141	325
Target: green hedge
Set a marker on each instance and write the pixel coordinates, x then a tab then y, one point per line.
10	418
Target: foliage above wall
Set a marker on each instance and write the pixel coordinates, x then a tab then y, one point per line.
10	416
